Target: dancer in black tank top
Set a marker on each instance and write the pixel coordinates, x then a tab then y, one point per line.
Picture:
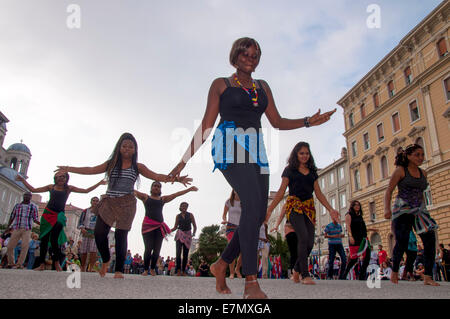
241	101
183	237
409	210
153	227
53	218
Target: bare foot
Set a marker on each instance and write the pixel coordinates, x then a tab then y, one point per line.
119	275
145	273
308	281
394	277
219	269
252	289
428	281
231	276
296	277
238	274
152	272
40	268
104	269
58	267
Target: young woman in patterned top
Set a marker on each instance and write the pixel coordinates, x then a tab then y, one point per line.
409	210
118	207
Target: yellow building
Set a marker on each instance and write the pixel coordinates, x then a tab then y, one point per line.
404	99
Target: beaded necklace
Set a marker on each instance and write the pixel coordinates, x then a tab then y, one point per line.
254	99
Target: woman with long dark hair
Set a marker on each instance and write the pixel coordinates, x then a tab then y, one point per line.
53	219
409	210
233	210
118	207
359	244
241	101
300	176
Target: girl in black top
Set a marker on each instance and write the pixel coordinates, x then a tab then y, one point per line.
301	177
53	218
241	101
153	228
409	210
357	233
183	237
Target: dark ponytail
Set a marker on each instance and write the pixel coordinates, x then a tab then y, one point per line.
401	159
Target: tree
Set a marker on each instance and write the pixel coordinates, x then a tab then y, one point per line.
278	246
210	245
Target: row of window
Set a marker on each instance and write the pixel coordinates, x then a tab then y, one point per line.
395	120
332	201
331	180
408	77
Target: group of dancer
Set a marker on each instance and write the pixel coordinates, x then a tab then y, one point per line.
239	153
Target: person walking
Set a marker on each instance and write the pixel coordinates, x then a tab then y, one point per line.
300	176
21	222
333	231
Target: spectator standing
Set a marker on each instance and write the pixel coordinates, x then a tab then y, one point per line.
333	231
21	222
32	250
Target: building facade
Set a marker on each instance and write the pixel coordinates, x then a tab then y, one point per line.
404	99
334	183
13	161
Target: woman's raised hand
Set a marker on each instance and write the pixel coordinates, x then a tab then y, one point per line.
318	118
62	169
185	180
176	171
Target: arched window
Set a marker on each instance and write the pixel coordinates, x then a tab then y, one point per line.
408	76
442	47
369	172
357	180
13	163
384	167
391	89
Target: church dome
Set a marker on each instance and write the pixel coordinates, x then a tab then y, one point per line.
20	147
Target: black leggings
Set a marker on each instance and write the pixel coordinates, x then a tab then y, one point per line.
181	265
51	236
152	242
291	239
365	264
305	232
101	240
253	189
410	258
402	226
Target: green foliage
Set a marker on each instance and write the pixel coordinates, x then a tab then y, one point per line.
211	245
278	246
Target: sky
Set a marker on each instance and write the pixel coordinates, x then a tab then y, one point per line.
74	78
